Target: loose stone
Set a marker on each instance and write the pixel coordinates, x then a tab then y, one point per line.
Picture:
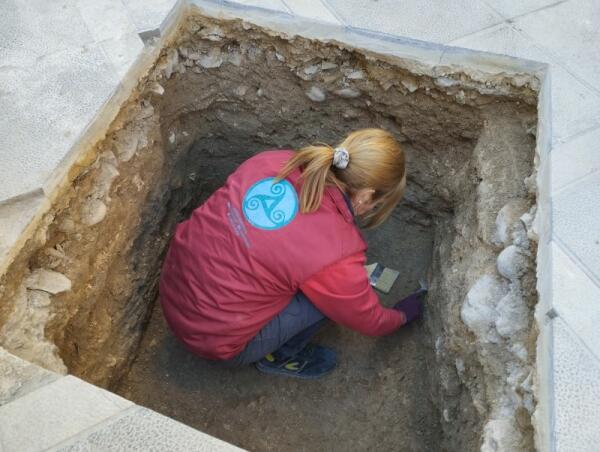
316	94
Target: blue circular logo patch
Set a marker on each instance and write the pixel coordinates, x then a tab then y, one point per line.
269	205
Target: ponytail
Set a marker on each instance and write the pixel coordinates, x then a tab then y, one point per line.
317	173
367	158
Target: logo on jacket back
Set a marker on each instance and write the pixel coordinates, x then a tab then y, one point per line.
269	205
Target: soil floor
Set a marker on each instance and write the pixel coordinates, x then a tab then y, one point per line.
376	399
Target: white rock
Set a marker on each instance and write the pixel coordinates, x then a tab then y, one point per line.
146	111
507	220
445	82
500	435
240	91
234	57
478	311
67	226
279	56
410	85
512	263
106	172
126	143
519	350
460	366
194	56
172	62
213	59
23	332
348	93
38	299
47	281
327	65
156	88
446	415
315	94
93	212
356	74
311	70
212	33
530	220
513	315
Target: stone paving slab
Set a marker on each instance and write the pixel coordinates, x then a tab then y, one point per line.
576	299
575	106
426	21
576	159
571	31
512	8
575	225
148	14
577	393
140	429
19	377
46	106
313	9
41	410
54	413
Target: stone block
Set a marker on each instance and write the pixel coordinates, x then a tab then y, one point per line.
273	5
513	8
123	52
576	410
46	107
571	30
54	413
575	106
576	222
16	216
144	430
575	159
106	19
313	9
438	22
31	29
149	14
18	377
576	298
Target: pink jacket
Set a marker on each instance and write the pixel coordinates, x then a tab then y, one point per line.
243	254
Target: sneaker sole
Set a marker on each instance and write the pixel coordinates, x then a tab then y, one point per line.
283	372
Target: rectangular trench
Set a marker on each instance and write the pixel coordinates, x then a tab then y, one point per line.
460	379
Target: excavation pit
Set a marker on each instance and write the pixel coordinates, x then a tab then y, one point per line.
223	91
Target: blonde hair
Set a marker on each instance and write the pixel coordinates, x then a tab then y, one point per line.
376	162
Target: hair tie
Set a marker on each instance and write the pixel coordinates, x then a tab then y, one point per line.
340	157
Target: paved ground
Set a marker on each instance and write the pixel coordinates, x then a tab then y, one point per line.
41	410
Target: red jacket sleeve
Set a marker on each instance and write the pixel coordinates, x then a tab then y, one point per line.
342	293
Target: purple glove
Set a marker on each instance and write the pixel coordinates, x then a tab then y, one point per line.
411	306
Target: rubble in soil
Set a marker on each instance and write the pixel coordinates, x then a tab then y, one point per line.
226	90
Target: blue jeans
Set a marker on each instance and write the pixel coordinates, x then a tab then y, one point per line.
287	333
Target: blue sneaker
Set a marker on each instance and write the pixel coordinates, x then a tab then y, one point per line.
313	361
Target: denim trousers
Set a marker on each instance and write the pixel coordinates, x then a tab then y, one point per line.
287	333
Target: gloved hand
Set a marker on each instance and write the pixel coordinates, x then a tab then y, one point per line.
411	306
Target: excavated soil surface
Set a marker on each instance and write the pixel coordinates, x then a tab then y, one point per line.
376	398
